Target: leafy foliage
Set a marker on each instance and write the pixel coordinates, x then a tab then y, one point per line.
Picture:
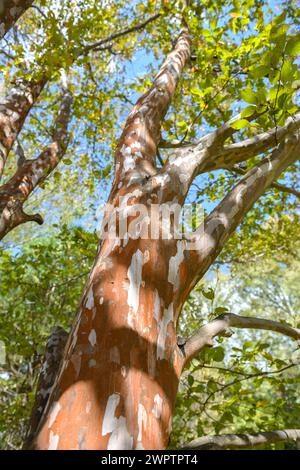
40	289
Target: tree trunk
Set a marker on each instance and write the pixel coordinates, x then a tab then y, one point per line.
118	385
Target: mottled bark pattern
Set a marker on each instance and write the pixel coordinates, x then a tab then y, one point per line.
118	384
10	12
30	173
14	109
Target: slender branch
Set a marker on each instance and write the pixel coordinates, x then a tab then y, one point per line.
279	186
31	173
52	358
286	189
241	151
10	12
225	370
107	41
240	441
7	54
173	144
221	327
247	377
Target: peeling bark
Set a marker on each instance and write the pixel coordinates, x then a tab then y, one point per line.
122	365
52	358
14	109
31	173
223	220
10	12
211	154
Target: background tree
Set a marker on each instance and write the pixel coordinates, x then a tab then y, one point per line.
136	290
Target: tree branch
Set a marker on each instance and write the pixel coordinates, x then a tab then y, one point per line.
15	107
240	441
241	151
10	12
216	229
221	327
137	146
31	173
209	153
107	41
286	189
280	187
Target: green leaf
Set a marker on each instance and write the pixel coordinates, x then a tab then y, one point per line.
287	71
191	380
268	356
209	294
240	124
196	91
218	354
182	125
260	71
227	416
293	46
106	171
249	96
220	310
213	23
248	111
261	96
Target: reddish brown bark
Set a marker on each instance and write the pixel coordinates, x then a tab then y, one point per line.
122	366
114	390
31	173
14	109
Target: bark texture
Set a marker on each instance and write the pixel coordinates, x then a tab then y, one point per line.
30	173
51	362
10	12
